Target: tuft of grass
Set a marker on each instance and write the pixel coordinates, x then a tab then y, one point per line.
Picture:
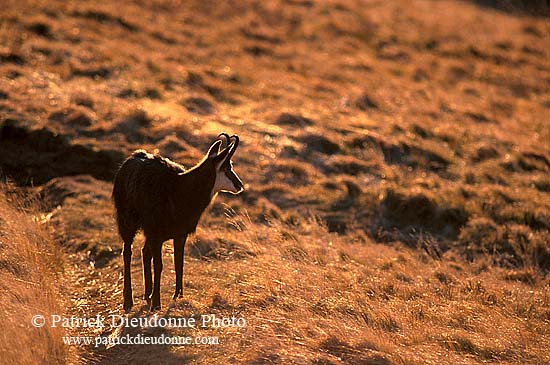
29	267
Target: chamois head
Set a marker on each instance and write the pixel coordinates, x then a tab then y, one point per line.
226	178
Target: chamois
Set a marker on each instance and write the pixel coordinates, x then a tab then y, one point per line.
166	201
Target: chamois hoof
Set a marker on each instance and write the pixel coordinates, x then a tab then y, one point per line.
155	304
177	294
128	304
154	307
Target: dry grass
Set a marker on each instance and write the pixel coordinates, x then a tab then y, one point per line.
314	296
396	156
310	296
30	266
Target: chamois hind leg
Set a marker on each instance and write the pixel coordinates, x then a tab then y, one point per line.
147	256
156	250
179	246
127	235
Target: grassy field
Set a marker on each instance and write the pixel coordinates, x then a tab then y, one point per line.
396	160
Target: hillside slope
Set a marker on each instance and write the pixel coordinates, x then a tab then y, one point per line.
396	158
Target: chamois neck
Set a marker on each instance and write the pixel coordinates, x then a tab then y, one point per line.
197	183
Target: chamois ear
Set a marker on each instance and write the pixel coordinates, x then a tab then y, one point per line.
214	149
224	155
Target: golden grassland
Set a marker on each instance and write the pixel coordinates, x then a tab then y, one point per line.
397	207
311	296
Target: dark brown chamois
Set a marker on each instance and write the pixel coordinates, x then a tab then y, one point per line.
160	197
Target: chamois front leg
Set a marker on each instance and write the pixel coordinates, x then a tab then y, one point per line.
179	246
147	277
156	250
